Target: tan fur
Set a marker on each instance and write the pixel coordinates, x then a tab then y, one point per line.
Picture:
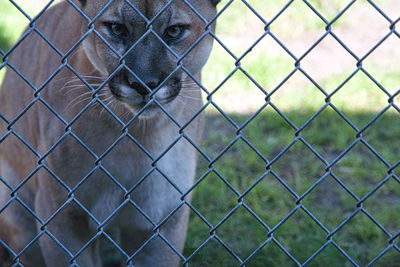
67	160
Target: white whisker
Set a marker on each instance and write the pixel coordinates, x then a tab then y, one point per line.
74	102
81	86
108	100
75	78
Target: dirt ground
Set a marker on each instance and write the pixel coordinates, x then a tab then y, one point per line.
365	27
362	29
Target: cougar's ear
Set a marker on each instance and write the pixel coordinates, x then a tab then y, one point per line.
215	2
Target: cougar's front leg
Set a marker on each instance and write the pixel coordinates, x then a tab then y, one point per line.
70	228
158	252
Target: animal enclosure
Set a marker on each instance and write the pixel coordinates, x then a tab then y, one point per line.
300	160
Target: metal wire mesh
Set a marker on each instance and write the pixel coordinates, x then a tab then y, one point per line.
211	161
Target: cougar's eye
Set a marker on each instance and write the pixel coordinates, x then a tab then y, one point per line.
174	32
117	29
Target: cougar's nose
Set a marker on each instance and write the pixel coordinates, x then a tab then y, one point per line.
140	88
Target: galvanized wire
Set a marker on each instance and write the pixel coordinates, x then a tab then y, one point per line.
269	163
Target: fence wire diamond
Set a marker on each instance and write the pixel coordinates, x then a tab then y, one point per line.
271	230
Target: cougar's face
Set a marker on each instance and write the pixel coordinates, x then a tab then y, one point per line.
145	42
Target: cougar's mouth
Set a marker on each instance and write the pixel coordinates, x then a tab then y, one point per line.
131	97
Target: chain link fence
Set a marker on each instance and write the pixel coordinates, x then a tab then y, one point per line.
264	241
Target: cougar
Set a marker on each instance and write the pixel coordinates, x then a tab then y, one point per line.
99	129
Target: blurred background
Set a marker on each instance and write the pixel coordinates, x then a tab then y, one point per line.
299	95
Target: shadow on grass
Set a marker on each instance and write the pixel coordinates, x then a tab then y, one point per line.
269	196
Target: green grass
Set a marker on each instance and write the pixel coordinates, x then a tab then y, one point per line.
360	170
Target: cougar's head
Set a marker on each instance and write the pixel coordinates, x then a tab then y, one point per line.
145	46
